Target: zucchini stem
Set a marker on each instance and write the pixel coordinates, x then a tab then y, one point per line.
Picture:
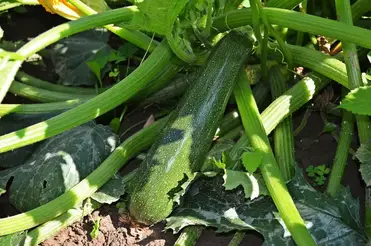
258	138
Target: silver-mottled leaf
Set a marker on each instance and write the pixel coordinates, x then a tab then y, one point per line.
14	122
330	221
364	156
70	55
57	165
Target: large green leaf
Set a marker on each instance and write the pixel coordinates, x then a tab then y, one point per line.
57	165
330	221
358	101
13	122
70	56
364	156
157	15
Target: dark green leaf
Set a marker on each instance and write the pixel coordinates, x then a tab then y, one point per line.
13	122
364	156
111	191
71	54
330	221
252	160
125	51
358	101
57	165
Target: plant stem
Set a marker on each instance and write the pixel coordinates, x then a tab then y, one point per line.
133	36
297	21
38	108
283	4
55	34
41	95
189	236
50	228
344	14
30	80
85	188
93	108
283	134
237	238
359	8
300	35
257	136
342	153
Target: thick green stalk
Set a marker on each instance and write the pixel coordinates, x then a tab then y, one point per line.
133	36
344	14
189	236
7	6
50	228
38	108
283	4
41	95
93	108
300	35
85	188
316	61
30	80
237	238
258	138
359	8
297	21
55	34
283	134
342	152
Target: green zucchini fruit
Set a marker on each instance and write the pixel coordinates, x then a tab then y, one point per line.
182	146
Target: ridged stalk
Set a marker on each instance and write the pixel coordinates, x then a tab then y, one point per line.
344	14
297	21
93	108
283	134
189	236
38	108
30	80
257	136
133	36
342	152
237	238
85	188
42	95
55	34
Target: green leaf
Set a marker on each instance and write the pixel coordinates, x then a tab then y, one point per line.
252	160
111	191
115	125
358	101
70	57
95	232
253	185
13	122
57	165
157	15
329	127
215	154
15	239
364	156
208	204
125	51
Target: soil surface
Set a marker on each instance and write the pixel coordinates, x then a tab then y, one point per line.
312	148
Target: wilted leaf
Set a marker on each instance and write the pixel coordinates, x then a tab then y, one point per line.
358	101
330	221
364	156
57	165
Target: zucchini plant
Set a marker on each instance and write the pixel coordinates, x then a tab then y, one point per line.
216	78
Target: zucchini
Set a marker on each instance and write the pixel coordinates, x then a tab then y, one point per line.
182	146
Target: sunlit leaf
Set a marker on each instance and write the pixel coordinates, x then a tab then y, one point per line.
358	101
